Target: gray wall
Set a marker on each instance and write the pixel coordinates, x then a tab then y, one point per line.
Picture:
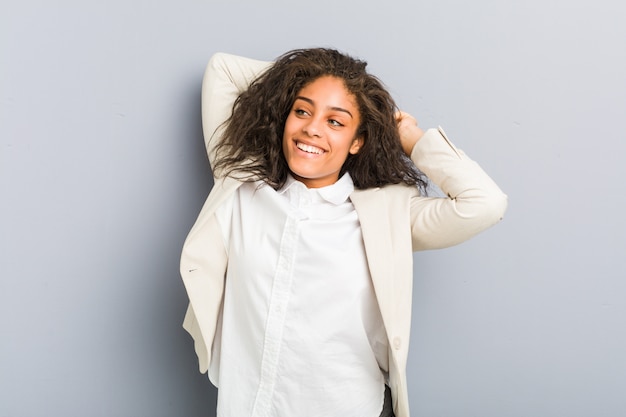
103	172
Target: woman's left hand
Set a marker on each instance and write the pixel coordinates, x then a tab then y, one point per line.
409	131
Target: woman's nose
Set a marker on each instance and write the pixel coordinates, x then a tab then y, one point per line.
312	128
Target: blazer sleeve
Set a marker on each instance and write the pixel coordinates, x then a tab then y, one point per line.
225	78
473	201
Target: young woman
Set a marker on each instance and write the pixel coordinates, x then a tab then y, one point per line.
299	266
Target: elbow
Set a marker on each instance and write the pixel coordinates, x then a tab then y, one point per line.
481	211
493	208
216	62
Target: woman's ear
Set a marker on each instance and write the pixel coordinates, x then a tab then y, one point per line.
356	145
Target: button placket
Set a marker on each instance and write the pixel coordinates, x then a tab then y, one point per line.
279	300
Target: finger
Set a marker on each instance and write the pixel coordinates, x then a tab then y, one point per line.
402	116
405	118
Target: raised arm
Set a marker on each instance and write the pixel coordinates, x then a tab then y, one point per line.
226	77
473	201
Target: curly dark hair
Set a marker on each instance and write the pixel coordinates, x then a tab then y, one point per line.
253	135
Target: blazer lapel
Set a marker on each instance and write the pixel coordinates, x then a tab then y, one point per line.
372	208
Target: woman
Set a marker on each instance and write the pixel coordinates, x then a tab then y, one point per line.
299	267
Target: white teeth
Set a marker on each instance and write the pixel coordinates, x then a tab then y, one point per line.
309	148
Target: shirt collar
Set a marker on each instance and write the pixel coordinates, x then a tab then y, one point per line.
337	193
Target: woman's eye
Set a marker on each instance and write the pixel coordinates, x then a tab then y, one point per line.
300	112
333	122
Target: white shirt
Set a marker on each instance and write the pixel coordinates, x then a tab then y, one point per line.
300	332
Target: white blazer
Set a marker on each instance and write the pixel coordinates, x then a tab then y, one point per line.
395	221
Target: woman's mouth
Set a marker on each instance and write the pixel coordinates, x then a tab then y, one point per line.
309	148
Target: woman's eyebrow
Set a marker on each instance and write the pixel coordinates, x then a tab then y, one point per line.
311	102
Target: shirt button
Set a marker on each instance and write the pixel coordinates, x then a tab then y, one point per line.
396	343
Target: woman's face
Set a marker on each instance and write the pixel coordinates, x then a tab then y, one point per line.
320	132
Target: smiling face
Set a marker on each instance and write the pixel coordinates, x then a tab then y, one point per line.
320	132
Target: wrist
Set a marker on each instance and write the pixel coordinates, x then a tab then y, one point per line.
410	140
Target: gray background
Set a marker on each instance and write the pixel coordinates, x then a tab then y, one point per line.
103	172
